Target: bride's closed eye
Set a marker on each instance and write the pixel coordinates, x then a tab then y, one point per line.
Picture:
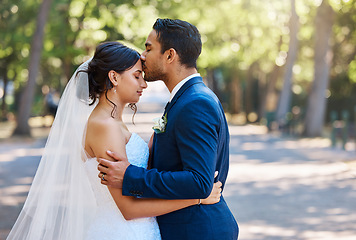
137	75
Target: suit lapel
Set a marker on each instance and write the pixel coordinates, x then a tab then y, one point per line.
165	108
169	105
180	92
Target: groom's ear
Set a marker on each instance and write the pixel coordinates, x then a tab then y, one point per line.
114	77
171	55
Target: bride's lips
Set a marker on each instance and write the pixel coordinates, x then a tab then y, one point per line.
139	93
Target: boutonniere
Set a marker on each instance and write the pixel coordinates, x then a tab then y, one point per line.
160	124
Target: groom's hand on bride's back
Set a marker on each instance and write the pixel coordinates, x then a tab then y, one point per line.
112	171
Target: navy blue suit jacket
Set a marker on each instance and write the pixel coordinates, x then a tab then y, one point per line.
194	145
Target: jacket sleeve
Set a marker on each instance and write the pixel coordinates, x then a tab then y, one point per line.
196	133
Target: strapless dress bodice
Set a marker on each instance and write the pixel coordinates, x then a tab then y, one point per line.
109	222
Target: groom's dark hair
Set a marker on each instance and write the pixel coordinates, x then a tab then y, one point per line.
182	36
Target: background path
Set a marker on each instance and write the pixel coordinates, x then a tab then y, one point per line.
278	188
282	188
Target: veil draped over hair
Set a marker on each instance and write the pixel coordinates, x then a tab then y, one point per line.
61	203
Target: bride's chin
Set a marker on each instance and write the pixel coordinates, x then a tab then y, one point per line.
133	102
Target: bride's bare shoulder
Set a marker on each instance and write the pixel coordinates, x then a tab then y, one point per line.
104	134
102	125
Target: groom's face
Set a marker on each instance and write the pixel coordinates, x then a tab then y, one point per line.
152	59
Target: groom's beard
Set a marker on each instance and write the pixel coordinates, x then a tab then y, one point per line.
154	75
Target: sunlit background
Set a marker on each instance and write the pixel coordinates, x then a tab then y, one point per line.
283	70
286	64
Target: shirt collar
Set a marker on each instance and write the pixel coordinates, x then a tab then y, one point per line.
181	83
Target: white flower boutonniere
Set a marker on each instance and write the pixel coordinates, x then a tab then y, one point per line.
160	124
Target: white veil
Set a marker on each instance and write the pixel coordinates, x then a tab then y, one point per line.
61	203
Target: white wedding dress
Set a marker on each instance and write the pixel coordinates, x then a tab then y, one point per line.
109	224
67	200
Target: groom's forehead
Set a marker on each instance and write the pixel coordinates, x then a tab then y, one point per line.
152	38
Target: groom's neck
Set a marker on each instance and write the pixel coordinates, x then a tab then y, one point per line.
176	76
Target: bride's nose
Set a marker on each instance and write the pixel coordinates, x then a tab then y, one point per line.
144	84
143	56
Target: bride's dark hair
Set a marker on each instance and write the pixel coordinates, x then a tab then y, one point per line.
109	56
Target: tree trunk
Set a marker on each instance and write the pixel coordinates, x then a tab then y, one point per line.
270	100
248	91
236	95
24	113
262	85
3	106
285	97
212	82
210	79
314	119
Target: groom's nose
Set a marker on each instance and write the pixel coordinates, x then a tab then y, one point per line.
143	56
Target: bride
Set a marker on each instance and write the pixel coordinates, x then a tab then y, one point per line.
66	200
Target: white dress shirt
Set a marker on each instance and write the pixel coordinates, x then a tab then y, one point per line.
180	84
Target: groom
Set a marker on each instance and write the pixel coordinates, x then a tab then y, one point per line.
190	145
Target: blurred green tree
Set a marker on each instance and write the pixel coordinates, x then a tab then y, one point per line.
286	93
15	34
315	115
27	96
247	47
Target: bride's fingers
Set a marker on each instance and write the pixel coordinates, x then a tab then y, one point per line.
217	188
215	194
217	185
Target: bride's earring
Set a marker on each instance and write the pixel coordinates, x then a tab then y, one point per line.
115	90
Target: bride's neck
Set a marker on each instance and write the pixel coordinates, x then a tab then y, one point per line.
107	104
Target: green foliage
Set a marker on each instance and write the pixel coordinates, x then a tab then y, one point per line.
352	71
235	34
15	35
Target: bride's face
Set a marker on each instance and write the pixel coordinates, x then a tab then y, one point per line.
131	84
